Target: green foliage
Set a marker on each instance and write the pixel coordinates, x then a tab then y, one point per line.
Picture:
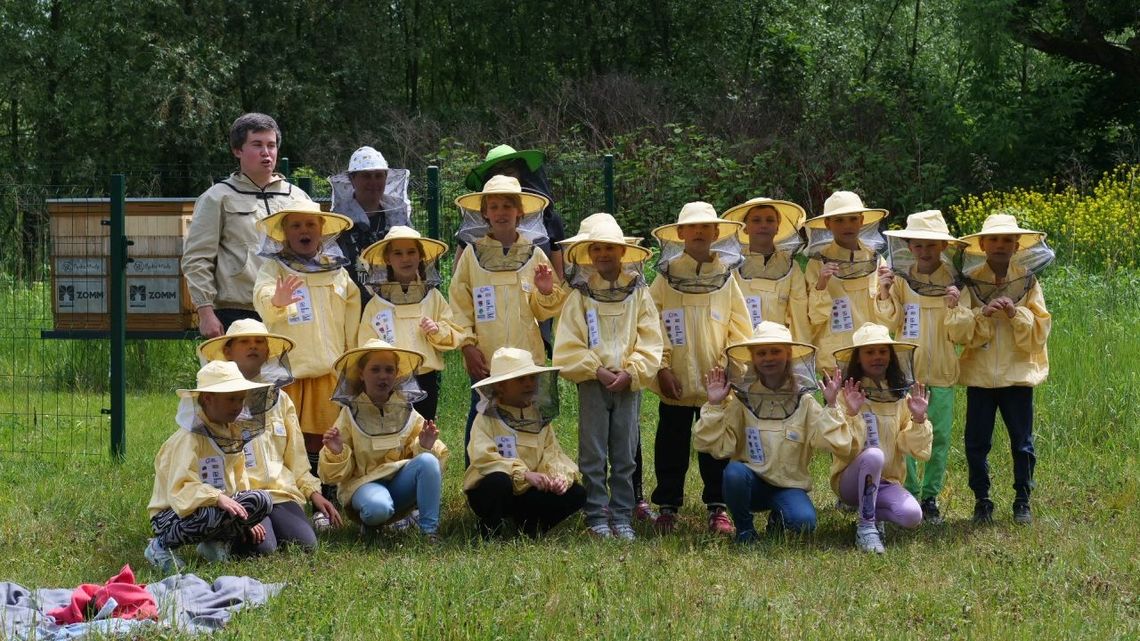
1098	230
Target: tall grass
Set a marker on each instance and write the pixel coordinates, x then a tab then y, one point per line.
1075	573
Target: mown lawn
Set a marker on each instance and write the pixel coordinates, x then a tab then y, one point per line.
1075	573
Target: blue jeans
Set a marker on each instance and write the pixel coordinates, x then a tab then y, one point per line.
745	492
419	483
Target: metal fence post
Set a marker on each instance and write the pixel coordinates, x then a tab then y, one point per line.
118	324
432	201
306	185
283	167
608	179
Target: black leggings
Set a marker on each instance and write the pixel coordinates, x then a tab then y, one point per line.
534	510
212	523
287	523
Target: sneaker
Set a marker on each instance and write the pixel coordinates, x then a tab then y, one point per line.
432	538
881	528
747	537
162	557
624	532
867	538
214	551
599	531
644	511
1022	515
983	512
719	522
930	512
405	523
666	522
321	522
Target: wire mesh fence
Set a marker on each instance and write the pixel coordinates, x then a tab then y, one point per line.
54	286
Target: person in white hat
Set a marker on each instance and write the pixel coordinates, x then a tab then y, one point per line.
1005	353
702	311
841	273
518	470
385	458
761	416
201	490
304	293
374	196
503	284
219	256
918	298
406	308
609	343
888	426
770	279
276	460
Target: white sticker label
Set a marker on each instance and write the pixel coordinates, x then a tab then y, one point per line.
594	334
872	422
250	459
755	446
210	470
506	446
485	311
755	309
910	327
279	429
301	311
674	320
842	319
384	322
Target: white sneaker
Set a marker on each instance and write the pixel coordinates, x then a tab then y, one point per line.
867	538
407	522
600	531
214	551
624	531
162	557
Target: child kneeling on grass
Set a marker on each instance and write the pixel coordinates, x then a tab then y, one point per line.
383	456
609	343
889	421
518	470
770	429
275	461
201	491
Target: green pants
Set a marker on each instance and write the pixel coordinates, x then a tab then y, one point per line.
941	415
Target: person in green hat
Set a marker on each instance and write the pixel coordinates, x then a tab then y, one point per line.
526	167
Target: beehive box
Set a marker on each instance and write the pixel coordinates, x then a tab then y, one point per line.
156	292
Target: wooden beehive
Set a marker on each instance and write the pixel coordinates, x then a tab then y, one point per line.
156	292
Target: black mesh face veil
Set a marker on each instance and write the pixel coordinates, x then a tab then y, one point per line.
676	266
894	386
852	264
585	279
377	419
772	404
493	256
1024	267
231	437
904	266
542	410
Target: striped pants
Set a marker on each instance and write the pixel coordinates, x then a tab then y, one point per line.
211	523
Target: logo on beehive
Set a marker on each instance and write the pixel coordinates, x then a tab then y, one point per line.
67	293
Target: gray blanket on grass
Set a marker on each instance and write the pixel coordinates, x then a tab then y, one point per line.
185	602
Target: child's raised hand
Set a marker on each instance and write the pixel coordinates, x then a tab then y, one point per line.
544	279
428	435
716	383
829	269
621	381
475	363
670	386
831	387
886	279
917	402
428	326
285	295
953	294
853	396
231	506
332	440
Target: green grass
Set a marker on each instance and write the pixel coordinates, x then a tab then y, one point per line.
1075	573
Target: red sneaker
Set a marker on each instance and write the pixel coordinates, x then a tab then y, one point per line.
719	522
644	512
666	522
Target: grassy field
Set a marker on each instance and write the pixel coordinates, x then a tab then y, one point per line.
1075	573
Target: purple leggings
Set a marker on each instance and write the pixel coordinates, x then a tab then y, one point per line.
878	499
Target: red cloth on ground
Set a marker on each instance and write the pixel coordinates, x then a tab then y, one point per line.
134	602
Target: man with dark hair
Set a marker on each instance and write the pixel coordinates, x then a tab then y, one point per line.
219	257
